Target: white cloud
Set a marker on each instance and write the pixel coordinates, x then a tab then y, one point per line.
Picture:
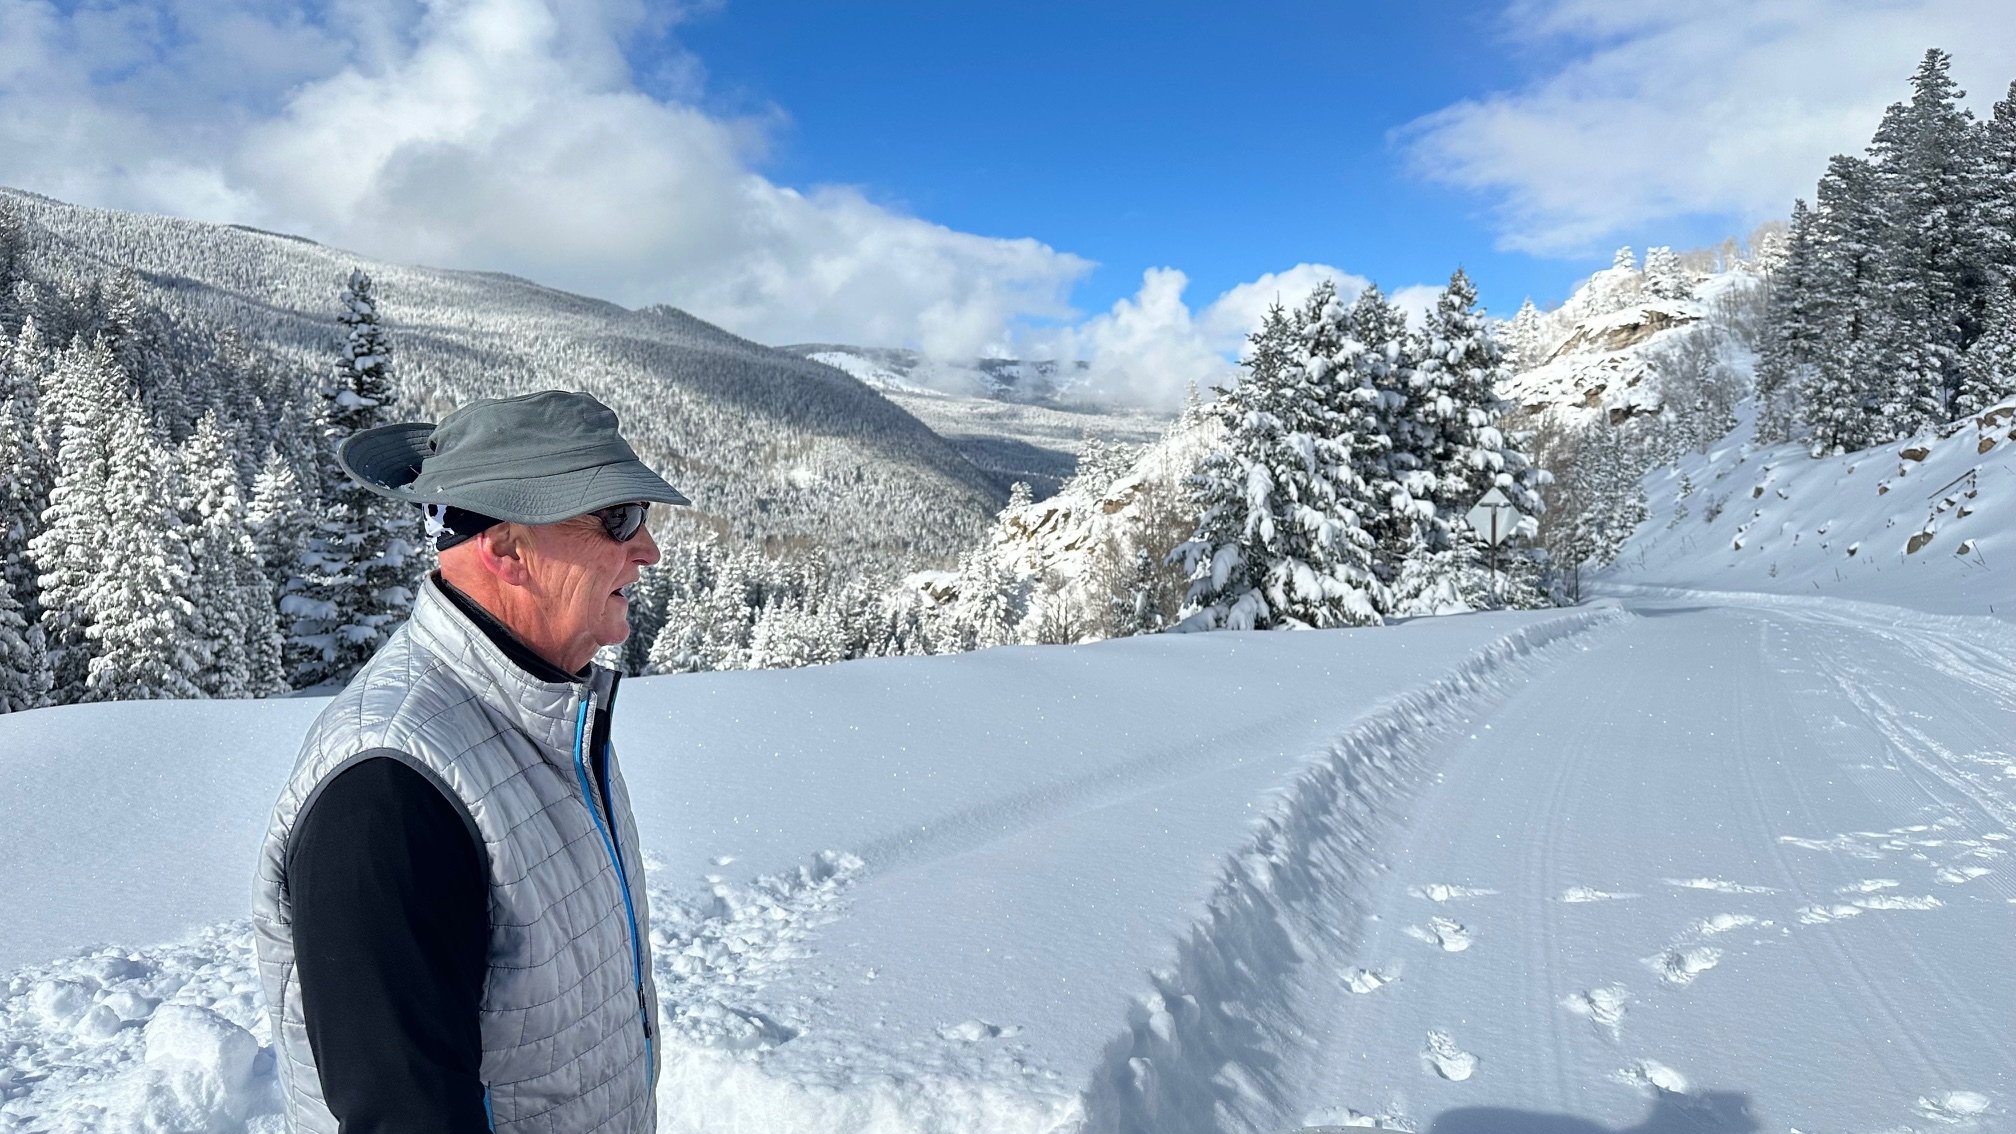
1150	348
501	134
1725	109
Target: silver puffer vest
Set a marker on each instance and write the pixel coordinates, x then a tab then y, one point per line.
569	1009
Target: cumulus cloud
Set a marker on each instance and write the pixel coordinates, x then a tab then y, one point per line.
502	134
1724	109
1150	348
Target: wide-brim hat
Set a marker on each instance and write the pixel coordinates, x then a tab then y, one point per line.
533	459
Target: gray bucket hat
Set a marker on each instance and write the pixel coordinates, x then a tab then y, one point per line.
533	459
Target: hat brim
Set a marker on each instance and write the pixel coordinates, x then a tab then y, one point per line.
386	459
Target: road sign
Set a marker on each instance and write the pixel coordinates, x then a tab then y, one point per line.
1494	519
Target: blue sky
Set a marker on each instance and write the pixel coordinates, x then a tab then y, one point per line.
1227	141
1124	184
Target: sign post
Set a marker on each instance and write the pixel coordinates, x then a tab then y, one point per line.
1494	519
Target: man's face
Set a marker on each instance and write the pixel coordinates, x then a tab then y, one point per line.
577	571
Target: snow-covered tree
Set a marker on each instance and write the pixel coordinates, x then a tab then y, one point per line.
1664	277
1998	188
235	615
1526	343
86	390
1840	392
1795	330
360	567
1375	411
141	621
1929	177
1275	542
1988	369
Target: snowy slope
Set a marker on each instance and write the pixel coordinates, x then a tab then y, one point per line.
1927	523
912	894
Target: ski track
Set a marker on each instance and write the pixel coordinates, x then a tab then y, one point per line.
1955	784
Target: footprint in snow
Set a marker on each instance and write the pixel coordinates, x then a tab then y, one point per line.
1334	1118
1443	892
1574	895
1899	902
1954	1107
1448	1060
1719	885
1602	1006
973	1031
1362	981
1821	915
1869	886
1683	965
1960	875
1452	937
1654	1076
1723	923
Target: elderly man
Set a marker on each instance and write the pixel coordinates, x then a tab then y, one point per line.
450	918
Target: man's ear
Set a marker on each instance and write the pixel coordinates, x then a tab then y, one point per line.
500	548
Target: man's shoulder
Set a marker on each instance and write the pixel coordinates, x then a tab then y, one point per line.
398	693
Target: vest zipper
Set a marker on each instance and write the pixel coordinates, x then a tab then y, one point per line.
622	876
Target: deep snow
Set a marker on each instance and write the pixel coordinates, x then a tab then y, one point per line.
1698	863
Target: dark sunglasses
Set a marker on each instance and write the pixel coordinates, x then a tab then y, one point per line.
622	521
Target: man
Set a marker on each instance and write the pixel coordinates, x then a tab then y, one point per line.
450	919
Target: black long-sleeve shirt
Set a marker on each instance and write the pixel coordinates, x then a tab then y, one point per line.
391	904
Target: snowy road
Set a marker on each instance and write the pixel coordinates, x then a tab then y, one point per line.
1729	860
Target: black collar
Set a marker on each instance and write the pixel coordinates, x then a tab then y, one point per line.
513	646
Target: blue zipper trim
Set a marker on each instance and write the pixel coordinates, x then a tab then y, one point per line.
489	1116
622	877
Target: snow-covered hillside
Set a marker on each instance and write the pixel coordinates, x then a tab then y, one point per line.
768	445
1927	523
1610	352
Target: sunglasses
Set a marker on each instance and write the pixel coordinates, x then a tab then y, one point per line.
622	521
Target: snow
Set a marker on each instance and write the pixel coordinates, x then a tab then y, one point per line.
1573	870
1928	523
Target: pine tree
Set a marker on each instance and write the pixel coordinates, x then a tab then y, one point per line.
68	550
1381	416
13	245
1929	179
1841	391
1525	345
1998	188
1274	544
1664	277
235	615
1471	453
359	581
141	621
1795	330
1988	369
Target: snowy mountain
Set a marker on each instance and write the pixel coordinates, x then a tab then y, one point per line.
770	446
1033	382
1015	420
1610	352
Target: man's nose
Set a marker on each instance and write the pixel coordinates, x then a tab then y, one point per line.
646	548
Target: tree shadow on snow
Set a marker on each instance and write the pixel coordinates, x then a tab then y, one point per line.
1709	1112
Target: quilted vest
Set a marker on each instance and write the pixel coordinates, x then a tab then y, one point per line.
569	1013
